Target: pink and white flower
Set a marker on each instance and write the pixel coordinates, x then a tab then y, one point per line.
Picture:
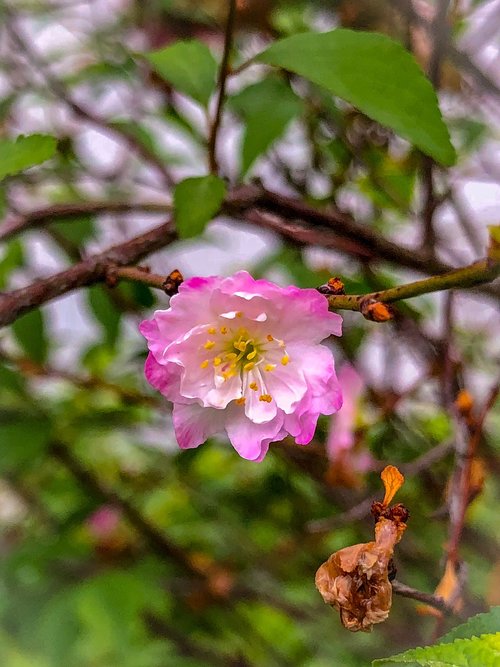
244	356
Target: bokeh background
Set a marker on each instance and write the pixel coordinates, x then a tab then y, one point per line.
116	548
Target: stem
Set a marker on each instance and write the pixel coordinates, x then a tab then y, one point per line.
223	74
483	271
427	598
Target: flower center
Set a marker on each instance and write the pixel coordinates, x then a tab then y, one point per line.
236	352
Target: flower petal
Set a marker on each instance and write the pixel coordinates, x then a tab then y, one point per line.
193	424
251	440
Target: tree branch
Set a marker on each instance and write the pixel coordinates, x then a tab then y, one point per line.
223	74
92	270
40	217
478	273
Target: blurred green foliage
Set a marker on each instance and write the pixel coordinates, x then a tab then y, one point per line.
116	548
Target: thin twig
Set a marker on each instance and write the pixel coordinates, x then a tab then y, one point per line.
60	91
71	211
427	598
440	40
459	497
223	74
156	540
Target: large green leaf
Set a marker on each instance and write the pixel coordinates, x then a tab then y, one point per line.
481	651
24	152
196	201
30	333
375	74
267	107
189	66
480	624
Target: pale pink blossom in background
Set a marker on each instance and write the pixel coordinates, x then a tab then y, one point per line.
244	356
342	438
103	522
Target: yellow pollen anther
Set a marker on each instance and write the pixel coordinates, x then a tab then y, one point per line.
211	330
285	359
252	355
223	330
228	374
249	366
269	367
266	398
253	386
217	361
241	401
204	364
209	344
269	338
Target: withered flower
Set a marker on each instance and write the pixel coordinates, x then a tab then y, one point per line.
356	579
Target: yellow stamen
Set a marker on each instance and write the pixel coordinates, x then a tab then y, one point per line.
211	330
241	401
249	366
228	374
285	359
204	364
269	367
269	338
217	361
209	344
253	386
230	356
223	330
252	355
266	398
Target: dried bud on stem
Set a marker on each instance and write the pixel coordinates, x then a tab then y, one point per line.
333	287
376	311
356	579
172	282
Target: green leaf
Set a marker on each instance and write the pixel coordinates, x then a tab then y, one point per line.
481	651
76	230
375	74
267	107
24	437
30	333
25	152
475	626
196	201
189	66
106	313
12	259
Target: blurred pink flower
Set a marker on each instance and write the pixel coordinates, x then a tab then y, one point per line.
244	356
342	437
103	522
